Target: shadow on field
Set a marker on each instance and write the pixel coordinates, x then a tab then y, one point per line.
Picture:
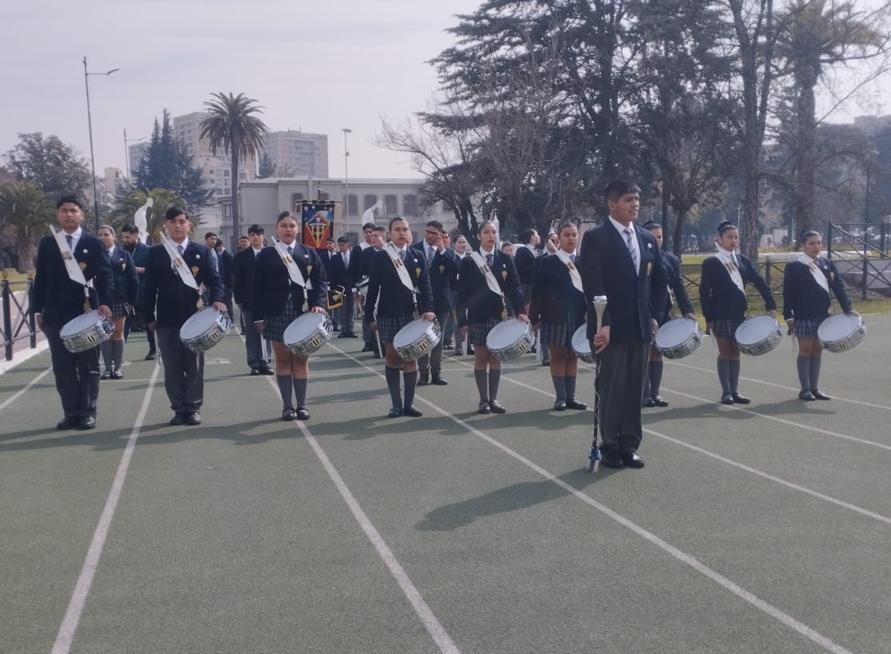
793	407
511	498
365	427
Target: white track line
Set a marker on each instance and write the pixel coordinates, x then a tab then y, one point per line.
740	466
760	604
85	580
788	388
18	394
425	614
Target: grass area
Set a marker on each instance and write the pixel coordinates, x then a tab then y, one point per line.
17	281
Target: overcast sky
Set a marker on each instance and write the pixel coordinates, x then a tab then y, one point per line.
317	66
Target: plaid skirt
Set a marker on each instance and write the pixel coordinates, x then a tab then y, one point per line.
388	327
278	322
478	331
726	328
118	310
807	328
558	333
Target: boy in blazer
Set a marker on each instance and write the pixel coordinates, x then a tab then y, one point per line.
168	303
243	291
56	299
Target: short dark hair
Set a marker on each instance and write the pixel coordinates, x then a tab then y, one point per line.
380	228
619	187
435	224
526	236
564	226
393	220
725	226
129	229
808	234
650	225
485	223
69	199
343	239
283	214
243	237
173	212
504	244
368	226
108	227
209	234
255	229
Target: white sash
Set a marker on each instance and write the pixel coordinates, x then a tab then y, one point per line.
491	282
399	264
573	271
291	265
179	264
71	265
817	274
726	259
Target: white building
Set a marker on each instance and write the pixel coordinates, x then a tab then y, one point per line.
135	153
297	154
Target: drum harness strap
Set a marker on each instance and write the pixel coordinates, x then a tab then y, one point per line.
71	265
404	277
489	276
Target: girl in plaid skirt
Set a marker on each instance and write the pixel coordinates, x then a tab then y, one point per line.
126	285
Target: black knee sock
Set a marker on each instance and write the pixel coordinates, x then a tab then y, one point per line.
105	348
815	372
724	376
286	388
559	387
392	375
734	375
570	387
481	378
655	377
804	371
410	379
300	392
494	378
117	354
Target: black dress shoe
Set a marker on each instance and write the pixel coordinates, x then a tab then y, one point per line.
807	396
87	422
631	459
470	350
559	405
611	459
412	412
266	371
67	423
288	414
727	399
648	402
302	413
741	399
106	374
178	419
459	352
578	406
496	407
367	348
819	395
151	356
658	401
484	408
395	412
436	380
192	418
423	378
255	372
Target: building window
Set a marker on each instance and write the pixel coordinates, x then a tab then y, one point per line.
391	205
368	201
410	205
352	205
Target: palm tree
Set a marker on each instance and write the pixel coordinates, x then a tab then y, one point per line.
125	208
233	128
25	214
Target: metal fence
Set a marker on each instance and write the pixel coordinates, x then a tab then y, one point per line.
860	252
18	321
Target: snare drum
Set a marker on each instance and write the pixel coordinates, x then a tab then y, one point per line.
841	332
205	329
677	338
417	338
509	339
307	333
581	345
86	332
758	335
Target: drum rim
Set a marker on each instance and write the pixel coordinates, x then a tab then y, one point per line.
688	321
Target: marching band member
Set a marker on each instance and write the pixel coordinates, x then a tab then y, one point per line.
653	379
806	301
487	285
173	273
448	329
624	263
66	262
139	253
722	294
286	276
123	299
557	310
243	292
461	250
398	285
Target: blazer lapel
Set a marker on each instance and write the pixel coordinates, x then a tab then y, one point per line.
621	246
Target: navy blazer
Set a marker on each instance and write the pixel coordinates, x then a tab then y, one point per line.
554	299
56	295
804	298
720	298
272	284
126	281
226	268
525	260
164	290
476	303
634	298
387	296
676	283
243	277
442	270
340	275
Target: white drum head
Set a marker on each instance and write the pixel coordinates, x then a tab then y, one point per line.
506	333
755	330
198	323
411	333
838	327
675	332
580	342
78	325
303	326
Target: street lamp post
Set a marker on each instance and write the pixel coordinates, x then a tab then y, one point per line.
90	127
346	176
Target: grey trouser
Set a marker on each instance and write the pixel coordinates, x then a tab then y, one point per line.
255	358
621	384
433	360
183	372
77	376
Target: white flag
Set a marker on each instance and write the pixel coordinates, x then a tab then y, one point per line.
368	216
139	218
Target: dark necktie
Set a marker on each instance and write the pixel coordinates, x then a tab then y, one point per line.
631	249
489	260
70	239
402	254
290	250
180	249
430	254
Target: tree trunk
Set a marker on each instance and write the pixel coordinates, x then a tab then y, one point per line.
233	181
806	127
25	251
677	241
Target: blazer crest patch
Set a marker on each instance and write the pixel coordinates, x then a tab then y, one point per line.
417	272
194	270
83	265
441	269
504	275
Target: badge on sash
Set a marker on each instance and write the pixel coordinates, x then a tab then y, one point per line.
649	267
123	265
194	270
417	272
308	268
441	269
83	265
504	275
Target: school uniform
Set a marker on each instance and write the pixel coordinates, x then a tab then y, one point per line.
168	303
479	308
244	265
123	298
139	254
365	259
60	299
442	266
525	260
343	271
